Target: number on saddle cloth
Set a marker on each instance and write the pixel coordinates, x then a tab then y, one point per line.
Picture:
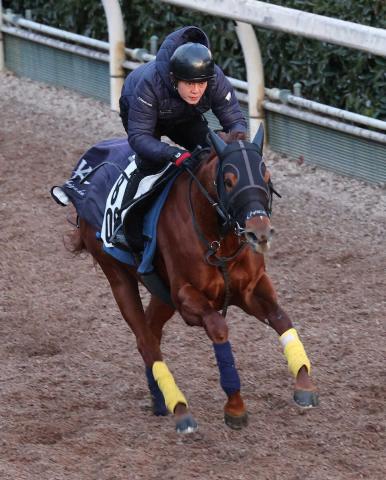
120	200
112	219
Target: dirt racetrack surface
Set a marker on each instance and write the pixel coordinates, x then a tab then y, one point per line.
73	397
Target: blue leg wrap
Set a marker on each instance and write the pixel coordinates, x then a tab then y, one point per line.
229	378
159	407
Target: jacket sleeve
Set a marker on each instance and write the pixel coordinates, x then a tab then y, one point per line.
142	120
226	106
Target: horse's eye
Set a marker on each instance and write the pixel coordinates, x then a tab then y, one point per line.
228	183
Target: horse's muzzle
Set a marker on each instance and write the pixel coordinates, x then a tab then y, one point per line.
258	233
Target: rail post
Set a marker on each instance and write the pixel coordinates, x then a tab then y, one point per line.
2	63
255	75
116	49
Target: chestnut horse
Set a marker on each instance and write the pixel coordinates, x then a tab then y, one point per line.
211	238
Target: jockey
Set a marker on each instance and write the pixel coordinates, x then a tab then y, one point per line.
168	96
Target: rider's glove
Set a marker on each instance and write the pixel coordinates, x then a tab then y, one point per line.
179	156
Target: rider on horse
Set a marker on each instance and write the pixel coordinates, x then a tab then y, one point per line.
168	96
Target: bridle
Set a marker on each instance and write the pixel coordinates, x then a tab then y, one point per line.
241	158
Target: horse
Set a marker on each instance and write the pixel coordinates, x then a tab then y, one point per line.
212	234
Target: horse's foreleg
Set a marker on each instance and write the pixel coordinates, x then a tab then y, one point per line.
157	314
196	310
263	304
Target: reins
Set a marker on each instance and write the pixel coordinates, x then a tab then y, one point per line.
219	209
210	256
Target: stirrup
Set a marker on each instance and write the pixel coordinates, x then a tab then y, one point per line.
60	196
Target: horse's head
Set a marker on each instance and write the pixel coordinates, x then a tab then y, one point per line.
244	189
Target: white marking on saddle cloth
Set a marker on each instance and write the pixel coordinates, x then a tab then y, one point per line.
115	198
146	183
113	204
60	195
82	170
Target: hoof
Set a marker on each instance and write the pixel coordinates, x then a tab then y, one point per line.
186	424
236	422
306	399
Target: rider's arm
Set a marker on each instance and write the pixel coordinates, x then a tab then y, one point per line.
226	106
142	121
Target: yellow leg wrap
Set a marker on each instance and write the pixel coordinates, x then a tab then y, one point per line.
294	352
167	385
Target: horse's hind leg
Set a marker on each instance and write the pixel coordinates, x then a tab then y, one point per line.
264	306
157	314
196	310
124	286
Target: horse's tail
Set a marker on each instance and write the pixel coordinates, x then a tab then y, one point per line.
73	240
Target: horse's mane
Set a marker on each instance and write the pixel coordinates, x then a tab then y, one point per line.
229	137
232	136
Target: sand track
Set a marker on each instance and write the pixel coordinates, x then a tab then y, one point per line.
73	397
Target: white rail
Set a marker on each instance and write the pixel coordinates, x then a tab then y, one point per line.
51	42
116	49
286	97
28	25
255	74
310	25
2	63
324	121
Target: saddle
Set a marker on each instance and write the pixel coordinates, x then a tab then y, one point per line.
123	219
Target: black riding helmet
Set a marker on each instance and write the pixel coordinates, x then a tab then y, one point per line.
192	62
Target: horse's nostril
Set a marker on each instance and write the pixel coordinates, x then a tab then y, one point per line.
251	237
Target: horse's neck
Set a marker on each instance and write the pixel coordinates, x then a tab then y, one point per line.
207	177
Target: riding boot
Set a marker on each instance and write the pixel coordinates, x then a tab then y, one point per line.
133	232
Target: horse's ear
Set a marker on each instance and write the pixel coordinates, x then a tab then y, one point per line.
217	142
259	138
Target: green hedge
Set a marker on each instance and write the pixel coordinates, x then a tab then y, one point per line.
334	75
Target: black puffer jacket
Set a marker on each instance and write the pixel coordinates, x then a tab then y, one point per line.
150	104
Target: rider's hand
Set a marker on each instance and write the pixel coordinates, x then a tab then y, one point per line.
179	156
